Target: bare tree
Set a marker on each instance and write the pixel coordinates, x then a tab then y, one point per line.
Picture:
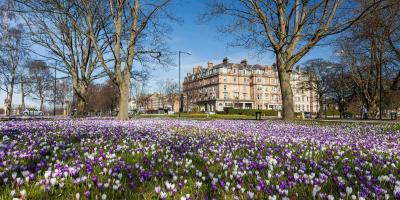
41	80
25	86
341	88
60	27
12	50
364	50
389	17
290	29
63	92
171	92
103	97
319	72
131	25
139	92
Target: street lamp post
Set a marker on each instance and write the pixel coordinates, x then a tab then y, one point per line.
55	90
179	81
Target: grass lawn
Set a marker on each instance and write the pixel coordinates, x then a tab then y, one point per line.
201	116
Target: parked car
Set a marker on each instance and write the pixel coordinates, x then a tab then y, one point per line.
307	115
114	113
32	112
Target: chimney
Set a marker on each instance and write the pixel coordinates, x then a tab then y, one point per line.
210	65
243	62
225	61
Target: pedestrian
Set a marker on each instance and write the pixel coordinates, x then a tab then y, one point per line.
365	112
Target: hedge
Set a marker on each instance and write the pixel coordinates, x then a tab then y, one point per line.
331	112
251	112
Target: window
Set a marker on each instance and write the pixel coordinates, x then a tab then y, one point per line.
225	95
259	96
234	79
258	80
225	78
225	87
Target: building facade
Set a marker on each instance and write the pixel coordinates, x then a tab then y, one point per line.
155	103
240	85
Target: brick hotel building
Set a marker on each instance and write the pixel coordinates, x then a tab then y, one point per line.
241	85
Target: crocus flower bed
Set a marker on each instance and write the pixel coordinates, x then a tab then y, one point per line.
187	159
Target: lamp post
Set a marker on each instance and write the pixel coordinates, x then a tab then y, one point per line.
179	81
55	90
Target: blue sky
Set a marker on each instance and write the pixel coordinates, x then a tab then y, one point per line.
205	43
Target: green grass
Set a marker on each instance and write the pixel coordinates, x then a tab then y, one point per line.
394	128
199	116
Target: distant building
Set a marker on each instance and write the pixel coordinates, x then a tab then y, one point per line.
155	103
243	86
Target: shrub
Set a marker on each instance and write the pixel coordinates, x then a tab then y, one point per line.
251	112
332	112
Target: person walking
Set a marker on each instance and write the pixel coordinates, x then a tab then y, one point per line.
364	112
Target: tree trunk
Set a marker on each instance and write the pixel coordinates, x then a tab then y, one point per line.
373	109
321	108
81	107
395	84
41	104
22	97
123	101
82	97
9	105
341	109
286	92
